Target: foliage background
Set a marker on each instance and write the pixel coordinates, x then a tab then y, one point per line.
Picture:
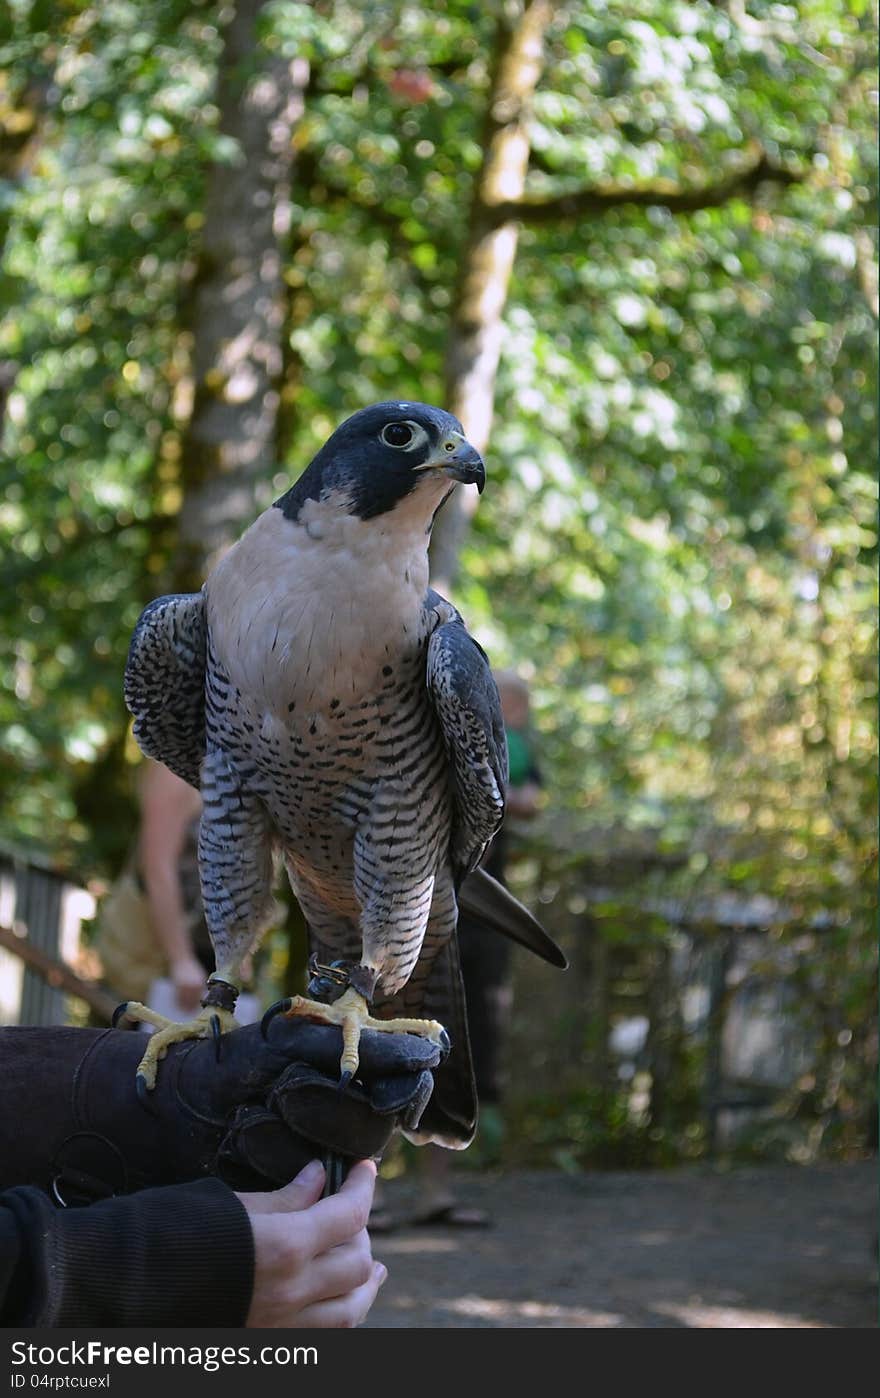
679	541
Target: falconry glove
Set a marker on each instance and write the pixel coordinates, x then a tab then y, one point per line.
255	1117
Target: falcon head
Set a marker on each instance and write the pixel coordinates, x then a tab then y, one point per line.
384	455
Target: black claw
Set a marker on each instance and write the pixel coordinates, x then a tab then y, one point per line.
119	1013
344	1080
334	1172
279	1008
445	1042
143	1094
218	1035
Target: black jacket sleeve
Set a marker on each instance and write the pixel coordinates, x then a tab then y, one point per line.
179	1255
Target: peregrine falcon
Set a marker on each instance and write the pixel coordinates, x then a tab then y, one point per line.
328	703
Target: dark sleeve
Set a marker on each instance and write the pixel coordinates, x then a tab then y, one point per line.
180	1255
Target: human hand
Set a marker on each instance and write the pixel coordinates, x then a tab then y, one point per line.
313	1265
189	978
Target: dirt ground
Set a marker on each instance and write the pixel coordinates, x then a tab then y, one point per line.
750	1248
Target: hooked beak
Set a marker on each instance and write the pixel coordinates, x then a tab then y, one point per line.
465	464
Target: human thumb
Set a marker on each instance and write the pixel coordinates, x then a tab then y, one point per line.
303	1190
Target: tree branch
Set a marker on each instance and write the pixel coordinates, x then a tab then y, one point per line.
599	199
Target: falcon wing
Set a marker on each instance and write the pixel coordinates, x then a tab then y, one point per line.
164	683
465	699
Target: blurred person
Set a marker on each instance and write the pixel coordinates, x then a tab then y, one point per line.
485	968
116	1213
167	865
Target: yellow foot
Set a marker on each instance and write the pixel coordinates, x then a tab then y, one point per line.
350	1013
211	1020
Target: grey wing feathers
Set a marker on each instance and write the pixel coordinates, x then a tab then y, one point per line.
466	702
450	1118
164	683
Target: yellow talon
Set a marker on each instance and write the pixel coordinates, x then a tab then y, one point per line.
169	1031
350	1013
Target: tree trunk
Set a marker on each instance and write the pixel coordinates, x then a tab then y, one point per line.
238	301
21	130
476	324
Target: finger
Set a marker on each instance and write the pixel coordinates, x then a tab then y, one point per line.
338	1271
341	1216
301	1193
344	1312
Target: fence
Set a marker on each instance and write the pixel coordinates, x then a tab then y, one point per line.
41	949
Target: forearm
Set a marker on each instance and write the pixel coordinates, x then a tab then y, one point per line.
182	1255
37	1099
68	1102
162	887
169	808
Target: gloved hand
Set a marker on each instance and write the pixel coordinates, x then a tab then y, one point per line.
254	1117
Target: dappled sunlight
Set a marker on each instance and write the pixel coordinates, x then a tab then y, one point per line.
507	1312
418	1246
697	1316
692	1249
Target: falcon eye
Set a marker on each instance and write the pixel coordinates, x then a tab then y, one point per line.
396	434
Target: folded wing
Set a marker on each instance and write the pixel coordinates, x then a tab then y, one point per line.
465	699
164	684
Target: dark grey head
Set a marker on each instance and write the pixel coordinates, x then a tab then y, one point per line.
383	454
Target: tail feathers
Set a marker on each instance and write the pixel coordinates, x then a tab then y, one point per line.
490	903
450	1118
